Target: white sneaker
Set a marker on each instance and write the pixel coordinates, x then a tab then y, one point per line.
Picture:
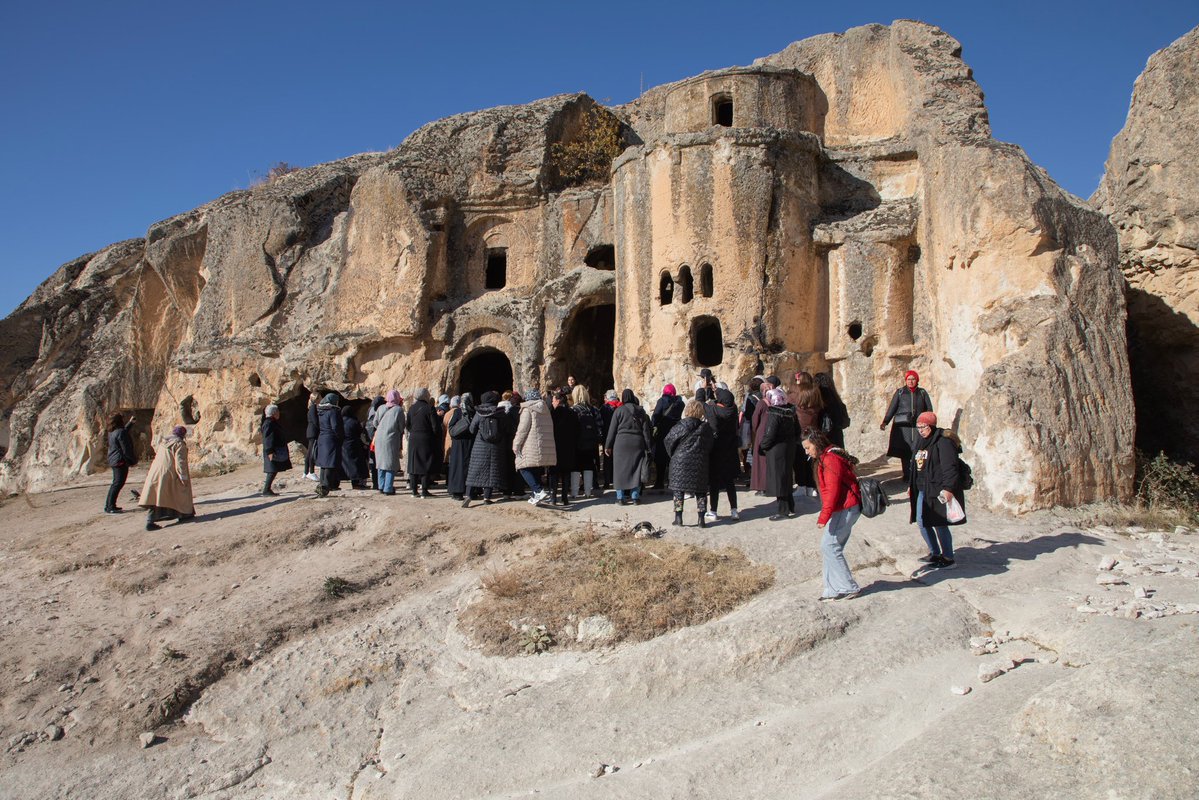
538	497
710	516
811	492
311	476
735	514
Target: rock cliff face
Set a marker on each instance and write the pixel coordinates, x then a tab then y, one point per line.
837	206
1151	191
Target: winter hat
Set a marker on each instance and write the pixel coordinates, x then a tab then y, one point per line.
911	373
531	395
669	390
271	410
443	400
394	398
179	431
774	381
330	399
490	398
725	398
927	418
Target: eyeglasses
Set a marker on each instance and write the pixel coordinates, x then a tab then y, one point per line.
925	427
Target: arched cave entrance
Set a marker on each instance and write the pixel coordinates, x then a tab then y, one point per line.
587	348
707	342
293	411
485	371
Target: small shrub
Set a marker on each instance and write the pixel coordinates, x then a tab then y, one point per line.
535	639
587	157
337	588
276	171
1165	486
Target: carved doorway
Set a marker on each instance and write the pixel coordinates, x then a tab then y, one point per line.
486	370
586	350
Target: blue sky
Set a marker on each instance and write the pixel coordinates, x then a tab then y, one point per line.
116	115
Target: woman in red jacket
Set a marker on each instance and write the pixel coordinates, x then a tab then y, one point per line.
841	502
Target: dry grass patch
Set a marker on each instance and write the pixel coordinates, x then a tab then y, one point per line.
644	587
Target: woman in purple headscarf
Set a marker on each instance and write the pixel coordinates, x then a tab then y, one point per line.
167	492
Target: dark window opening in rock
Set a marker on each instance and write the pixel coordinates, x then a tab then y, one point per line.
913	254
855	330
485	371
587	348
707	342
602	256
722	110
497	267
666	289
705	280
255	381
293	415
685	284
189	411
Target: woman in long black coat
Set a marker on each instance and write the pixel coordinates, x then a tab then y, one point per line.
779	439
566	439
908	403
461	442
488	464
689	445
725	460
935	479
667	413
275	458
424	444
353	453
330	433
630	442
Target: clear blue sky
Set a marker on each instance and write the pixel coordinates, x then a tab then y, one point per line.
116	115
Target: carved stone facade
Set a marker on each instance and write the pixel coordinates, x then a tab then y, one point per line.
838	206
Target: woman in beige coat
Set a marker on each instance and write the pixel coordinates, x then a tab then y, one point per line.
534	444
167	492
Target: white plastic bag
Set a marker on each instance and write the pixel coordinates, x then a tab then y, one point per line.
953	510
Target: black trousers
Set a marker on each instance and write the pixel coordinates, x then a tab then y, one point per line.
310	458
119	476
421	480
714	497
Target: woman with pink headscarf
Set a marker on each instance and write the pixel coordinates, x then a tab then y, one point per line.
389	440
908	403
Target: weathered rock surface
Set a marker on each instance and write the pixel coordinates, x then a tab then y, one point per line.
1151	191
837	206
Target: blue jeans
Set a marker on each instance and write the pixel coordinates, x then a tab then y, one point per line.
633	493
530	477
387	480
937	537
837	577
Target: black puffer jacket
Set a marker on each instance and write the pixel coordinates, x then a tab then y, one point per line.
935	468
689	445
726	465
488	463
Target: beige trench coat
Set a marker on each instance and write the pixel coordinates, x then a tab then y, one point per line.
168	483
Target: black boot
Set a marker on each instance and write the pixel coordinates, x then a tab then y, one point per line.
678	518
702	524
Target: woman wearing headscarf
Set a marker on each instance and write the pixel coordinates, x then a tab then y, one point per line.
757	474
667	413
388	443
935	480
809	410
725	463
908	403
534	445
372	420
488	464
630	442
461	442
331	433
779	438
611	403
510	406
689	445
840	507
121	457
167	492
590	427
423	443
275	457
353	452
566	438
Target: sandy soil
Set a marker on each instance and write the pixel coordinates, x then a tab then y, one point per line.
218	637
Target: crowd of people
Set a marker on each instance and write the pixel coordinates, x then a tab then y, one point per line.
563	447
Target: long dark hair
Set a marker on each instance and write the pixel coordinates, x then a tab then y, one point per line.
116	423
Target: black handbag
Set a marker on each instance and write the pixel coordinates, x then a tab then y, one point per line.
903	418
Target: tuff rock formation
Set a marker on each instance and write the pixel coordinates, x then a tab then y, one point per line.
838	206
1151	191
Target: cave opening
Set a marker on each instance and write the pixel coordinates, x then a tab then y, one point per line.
587	349
707	342
486	370
602	256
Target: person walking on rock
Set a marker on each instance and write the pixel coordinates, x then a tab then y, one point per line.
908	403
725	461
935	481
534	445
167	492
488	463
667	413
121	456
275	457
779	439
424	440
689	445
629	444
330	435
840	507
388	443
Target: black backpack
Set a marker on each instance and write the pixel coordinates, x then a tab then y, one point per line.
489	429
589	429
965	475
874	499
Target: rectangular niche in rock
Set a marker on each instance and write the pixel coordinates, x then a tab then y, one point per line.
497	267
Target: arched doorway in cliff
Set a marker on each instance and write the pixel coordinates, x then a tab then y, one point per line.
586	349
485	370
293	415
